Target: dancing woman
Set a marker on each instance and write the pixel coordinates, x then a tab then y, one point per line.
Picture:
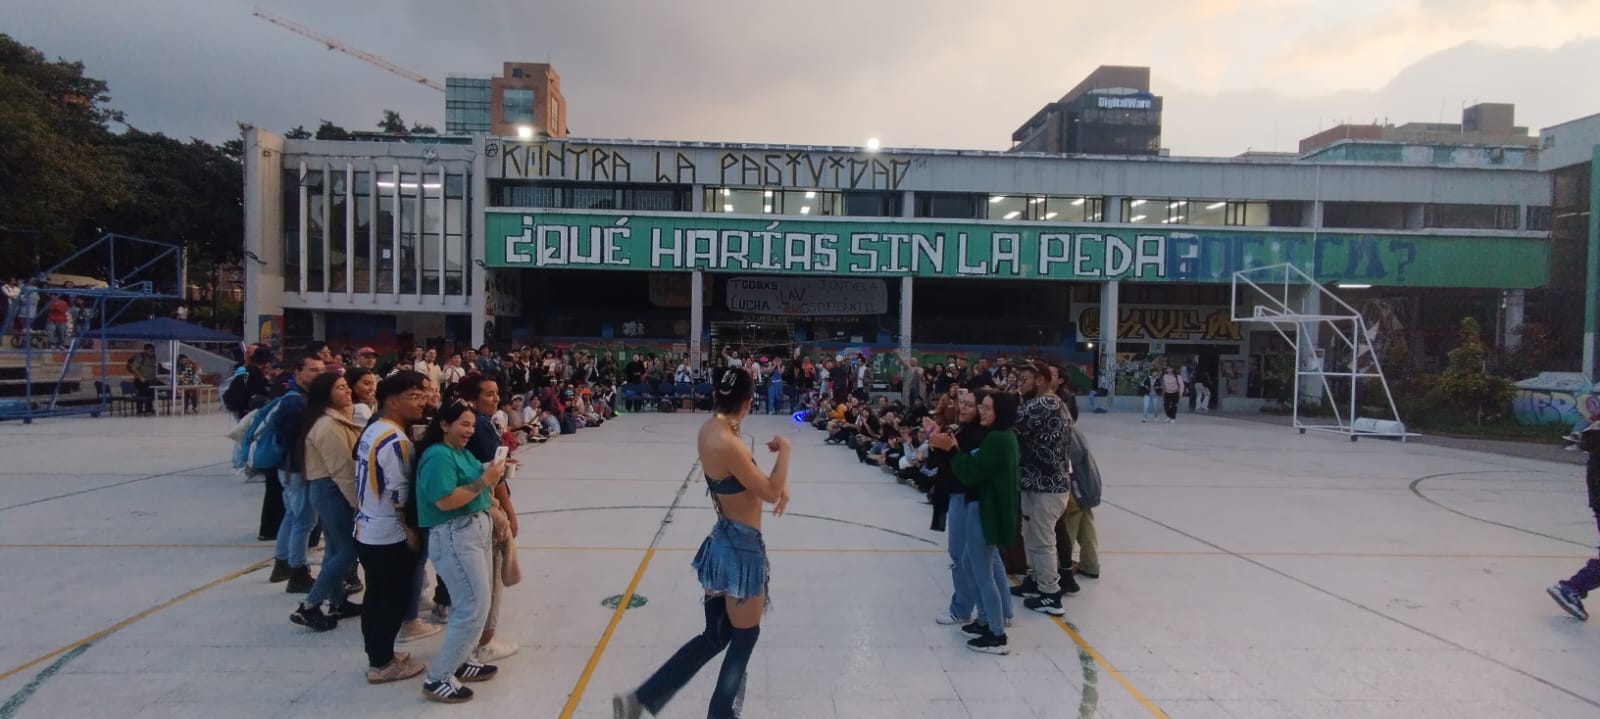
731	563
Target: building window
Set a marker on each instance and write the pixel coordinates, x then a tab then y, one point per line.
869	203
951	205
1045	208
1539	218
516	107
1154	211
1470	217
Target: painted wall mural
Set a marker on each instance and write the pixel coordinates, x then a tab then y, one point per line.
853	246
1559	399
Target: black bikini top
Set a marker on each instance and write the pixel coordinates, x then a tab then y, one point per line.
726	485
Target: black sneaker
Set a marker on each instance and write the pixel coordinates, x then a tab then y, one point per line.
346	610
352	582
300	580
448	691
1068	584
974	630
1046	604
280	570
1569	600
474	672
989	644
1028	588
313	618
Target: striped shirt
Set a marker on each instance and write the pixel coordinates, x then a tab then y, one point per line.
383	483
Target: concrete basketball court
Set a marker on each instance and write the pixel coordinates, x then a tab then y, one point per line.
1248	572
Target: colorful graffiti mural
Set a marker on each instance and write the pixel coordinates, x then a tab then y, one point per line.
1556	399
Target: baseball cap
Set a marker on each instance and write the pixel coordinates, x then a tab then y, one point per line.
366	351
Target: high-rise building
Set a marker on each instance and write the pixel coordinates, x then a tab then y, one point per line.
1111	112
527	95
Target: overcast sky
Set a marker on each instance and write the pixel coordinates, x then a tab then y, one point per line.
1236	74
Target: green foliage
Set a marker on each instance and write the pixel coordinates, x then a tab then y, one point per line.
329	131
298	133
391	123
1532	355
1277	379
54	172
188	193
1466	386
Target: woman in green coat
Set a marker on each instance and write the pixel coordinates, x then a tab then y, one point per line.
991	469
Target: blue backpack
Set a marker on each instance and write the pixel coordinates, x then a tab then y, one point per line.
262	448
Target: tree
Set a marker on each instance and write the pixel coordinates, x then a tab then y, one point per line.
187	193
1466	384
54	172
391	123
418	128
330	131
298	133
1533	351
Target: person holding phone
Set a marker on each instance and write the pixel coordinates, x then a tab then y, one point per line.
454	491
732	562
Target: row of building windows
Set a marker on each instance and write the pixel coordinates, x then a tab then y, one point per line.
1070	209
376	232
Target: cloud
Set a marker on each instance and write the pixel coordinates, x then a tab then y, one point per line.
945	73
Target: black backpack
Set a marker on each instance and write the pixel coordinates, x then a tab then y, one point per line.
569	424
237	397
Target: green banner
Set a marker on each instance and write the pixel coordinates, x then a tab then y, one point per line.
862	247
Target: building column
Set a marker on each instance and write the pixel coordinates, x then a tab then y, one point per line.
1591	313
1306	358
697	317
1513	305
905	336
1111	211
1109	313
263	236
478	288
319	325
697	198
908	204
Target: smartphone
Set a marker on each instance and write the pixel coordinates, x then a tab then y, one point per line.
500	453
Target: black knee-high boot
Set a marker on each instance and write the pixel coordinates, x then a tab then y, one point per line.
730	681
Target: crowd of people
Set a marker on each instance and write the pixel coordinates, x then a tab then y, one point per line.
396	469
998	458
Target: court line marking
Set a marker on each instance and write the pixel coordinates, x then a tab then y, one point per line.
1416	489
892	550
1084	646
108	486
1358	605
97	636
627	596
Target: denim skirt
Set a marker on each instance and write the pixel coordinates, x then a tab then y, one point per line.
732	561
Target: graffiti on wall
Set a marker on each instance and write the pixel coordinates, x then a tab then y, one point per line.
1533	407
583	162
1165	323
1001	250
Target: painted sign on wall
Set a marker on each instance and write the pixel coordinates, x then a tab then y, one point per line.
807	296
1022	251
584	162
1561	399
1164	323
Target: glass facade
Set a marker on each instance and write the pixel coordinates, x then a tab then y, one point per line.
467	105
373	231
516	106
1046	208
1202	212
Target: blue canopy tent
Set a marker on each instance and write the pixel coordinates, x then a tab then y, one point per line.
164	329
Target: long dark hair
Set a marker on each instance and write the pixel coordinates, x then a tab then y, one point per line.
353	375
318	396
733	388
446	416
1005	411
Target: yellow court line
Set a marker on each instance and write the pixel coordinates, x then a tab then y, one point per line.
130	620
599	649
1149	706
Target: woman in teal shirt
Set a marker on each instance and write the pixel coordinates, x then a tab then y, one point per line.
453	494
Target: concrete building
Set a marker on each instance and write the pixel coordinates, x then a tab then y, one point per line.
1111	112
1486	135
1570	153
525	95
679	247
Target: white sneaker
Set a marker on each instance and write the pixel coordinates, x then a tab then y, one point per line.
948	619
494	650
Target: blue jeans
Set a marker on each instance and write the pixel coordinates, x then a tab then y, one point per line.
955	530
338	527
460	550
774	396
294	533
991	588
718	635
1149	409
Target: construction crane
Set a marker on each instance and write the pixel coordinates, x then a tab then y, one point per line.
333	44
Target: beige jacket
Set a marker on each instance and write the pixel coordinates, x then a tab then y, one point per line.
328	451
